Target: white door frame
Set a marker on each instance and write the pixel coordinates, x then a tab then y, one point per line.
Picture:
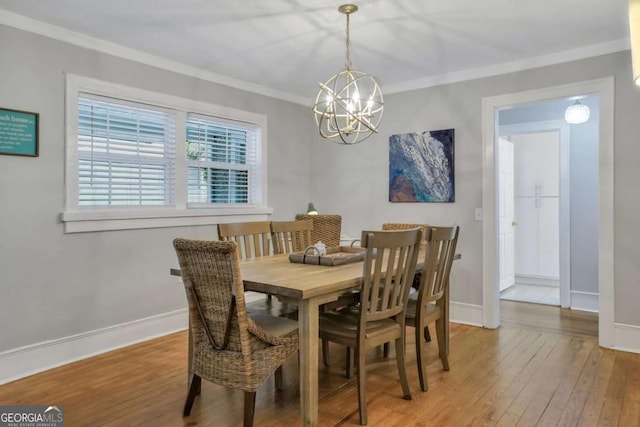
490	278
564	147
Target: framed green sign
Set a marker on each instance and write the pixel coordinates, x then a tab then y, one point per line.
18	133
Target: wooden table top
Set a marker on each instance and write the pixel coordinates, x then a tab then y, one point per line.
276	275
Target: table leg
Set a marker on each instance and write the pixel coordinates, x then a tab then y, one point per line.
308	330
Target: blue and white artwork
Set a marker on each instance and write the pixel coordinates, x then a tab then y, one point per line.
421	167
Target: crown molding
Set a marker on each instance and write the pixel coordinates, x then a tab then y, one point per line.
78	39
511	67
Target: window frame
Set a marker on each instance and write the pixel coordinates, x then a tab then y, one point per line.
104	218
251	165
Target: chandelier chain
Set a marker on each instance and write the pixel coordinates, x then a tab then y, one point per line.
348	63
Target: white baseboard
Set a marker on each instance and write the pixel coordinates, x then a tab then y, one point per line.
24	361
466	314
626	337
537	280
585	301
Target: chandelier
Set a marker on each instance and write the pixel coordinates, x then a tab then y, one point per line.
349	105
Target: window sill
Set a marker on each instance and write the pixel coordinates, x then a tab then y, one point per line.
112	220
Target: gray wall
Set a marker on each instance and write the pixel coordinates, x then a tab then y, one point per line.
55	285
584	183
353	180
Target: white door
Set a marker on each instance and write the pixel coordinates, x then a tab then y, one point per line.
537	207
507	222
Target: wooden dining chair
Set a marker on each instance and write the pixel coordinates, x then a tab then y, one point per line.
229	347
389	266
254	241
432	301
253	238
418	276
392	226
291	236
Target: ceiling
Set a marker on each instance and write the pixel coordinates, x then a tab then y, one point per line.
285	47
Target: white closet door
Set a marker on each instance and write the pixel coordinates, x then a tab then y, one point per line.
526	237
537	190
537	164
549	237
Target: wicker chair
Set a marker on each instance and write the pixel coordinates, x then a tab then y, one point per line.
325	227
404	226
380	317
228	347
328	228
431	303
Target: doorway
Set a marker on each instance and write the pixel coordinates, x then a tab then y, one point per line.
534	200
491	106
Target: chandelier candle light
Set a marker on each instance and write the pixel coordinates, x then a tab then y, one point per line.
349	105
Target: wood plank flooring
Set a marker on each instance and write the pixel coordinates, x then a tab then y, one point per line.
542	367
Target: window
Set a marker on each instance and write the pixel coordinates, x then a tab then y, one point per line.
126	153
222	159
140	159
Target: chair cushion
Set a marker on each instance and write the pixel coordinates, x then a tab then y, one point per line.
278	326
344	324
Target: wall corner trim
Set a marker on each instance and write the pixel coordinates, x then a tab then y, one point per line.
626	338
466	314
585	301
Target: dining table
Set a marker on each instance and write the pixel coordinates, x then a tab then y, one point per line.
309	286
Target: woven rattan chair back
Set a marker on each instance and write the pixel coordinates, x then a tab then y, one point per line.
253	238
405	226
326	228
228	348
291	236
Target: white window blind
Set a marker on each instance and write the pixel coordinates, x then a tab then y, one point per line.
134	162
222	158
126	153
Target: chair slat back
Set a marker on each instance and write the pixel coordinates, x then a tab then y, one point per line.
441	248
291	236
384	295
211	276
253	238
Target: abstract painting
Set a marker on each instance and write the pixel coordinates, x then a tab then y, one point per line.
421	167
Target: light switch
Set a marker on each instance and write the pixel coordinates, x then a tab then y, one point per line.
478	215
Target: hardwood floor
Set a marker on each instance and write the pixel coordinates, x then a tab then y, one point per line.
542	367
